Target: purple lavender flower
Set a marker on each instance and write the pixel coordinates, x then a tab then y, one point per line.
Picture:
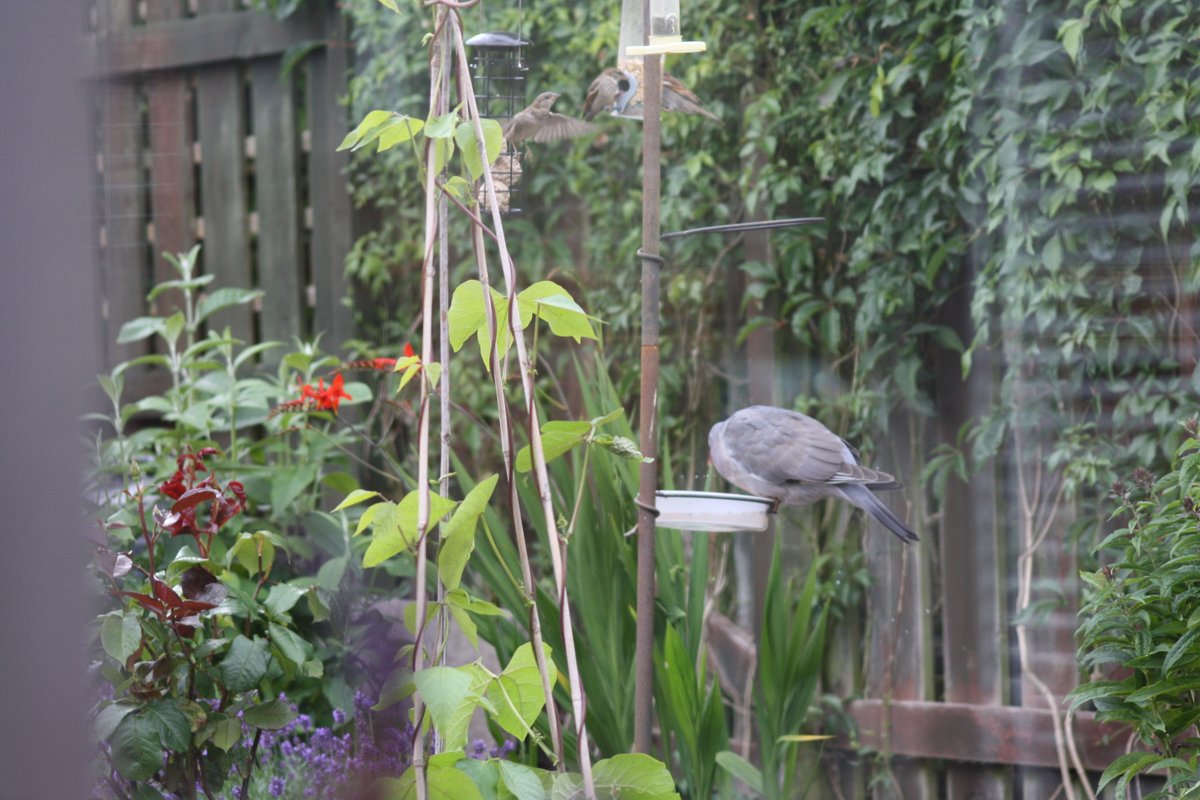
478	750
339	717
277	786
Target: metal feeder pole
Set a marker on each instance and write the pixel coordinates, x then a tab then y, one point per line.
648	413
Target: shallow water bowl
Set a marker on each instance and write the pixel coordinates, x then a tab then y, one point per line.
712	511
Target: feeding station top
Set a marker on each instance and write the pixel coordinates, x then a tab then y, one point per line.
665	36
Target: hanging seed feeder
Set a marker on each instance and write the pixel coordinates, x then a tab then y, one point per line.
498	69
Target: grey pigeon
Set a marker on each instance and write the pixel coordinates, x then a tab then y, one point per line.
795	460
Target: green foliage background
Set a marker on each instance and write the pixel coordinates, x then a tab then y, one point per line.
1035	160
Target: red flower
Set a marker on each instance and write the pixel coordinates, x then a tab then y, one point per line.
408	350
325	399
383	363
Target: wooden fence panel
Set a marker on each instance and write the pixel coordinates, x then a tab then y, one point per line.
179	95
974	621
276	191
223	200
329	195
122	207
900	647
168	101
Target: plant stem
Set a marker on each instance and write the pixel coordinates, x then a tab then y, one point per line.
539	458
250	763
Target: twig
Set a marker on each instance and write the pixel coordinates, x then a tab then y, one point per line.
250	763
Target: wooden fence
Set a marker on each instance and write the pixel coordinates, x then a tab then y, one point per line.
202	137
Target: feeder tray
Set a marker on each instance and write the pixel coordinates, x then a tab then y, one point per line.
713	512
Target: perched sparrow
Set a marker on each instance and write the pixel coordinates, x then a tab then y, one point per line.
611	91
614	88
677	97
795	460
539	124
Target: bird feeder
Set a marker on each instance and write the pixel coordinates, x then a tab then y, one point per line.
712	512
665	36
498	70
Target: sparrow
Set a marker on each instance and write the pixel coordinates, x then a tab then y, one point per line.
539	124
795	460
611	91
614	88
677	97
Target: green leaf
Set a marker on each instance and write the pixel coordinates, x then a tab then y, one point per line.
121	636
226	731
1071	35
554	305
356	497
467	317
400	129
445	691
245	551
245	664
1127	765
282	599
634	776
109	717
443	782
458	535
522	781
441	127
140	328
395	526
1186	645
741	769
224	298
294	648
517	692
396	687
174	729
269	716
558	437
136	748
464	136
372	120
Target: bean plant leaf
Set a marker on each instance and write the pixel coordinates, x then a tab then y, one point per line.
554	305
464	136
458	535
370	122
443	781
402	128
395	526
467	317
634	776
269	716
517	693
445	691
558	437
356	497
245	664
522	781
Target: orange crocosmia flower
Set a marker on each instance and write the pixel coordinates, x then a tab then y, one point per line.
331	397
